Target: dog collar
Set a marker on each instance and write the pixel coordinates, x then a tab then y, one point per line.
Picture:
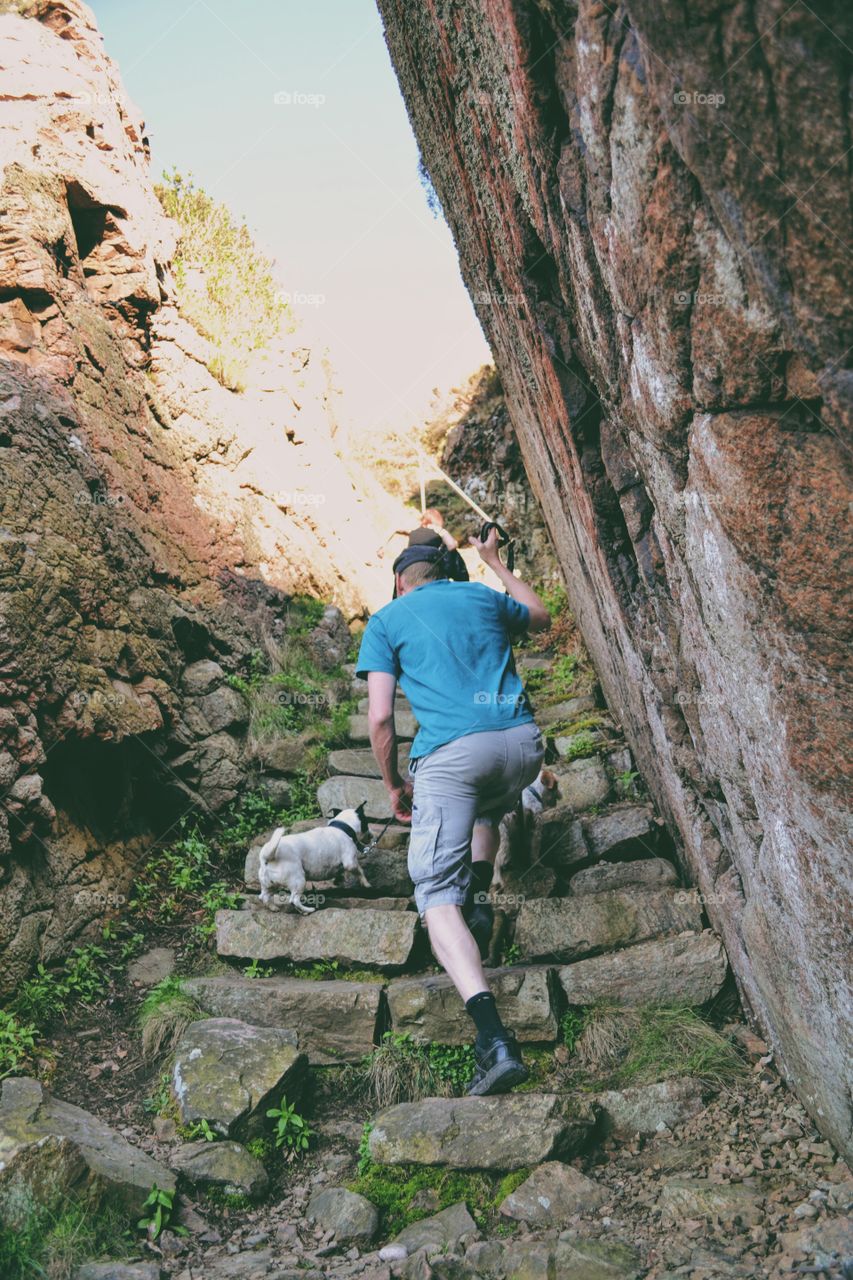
534	792
344	826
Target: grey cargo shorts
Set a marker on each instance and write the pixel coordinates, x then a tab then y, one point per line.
477	778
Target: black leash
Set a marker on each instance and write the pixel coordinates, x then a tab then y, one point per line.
368	848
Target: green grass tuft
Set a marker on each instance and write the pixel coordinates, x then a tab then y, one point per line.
164	1016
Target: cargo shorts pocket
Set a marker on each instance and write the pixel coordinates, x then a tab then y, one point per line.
422	846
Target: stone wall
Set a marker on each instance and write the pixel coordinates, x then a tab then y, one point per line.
650	206
153	524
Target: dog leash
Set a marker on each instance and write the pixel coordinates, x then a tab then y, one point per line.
368	848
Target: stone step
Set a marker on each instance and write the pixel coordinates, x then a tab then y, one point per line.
360	762
501	1133
649	872
336	1021
560	712
430	1010
582	783
570	928
378	939
562	839
689	968
343	792
406	724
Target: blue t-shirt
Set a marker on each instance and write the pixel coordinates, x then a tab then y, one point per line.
450	646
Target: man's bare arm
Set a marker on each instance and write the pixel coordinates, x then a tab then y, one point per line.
540	618
381	688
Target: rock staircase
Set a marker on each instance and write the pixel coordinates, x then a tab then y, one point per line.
594	912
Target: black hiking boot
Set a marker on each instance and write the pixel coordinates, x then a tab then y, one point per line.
479	915
498	1066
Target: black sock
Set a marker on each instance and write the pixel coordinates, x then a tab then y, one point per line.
482	872
484	1013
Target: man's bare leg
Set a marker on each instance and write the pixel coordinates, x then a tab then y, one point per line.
485	843
455	949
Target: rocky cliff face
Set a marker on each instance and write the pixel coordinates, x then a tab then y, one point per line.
649	202
152	522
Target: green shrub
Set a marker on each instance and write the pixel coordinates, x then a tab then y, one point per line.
225	287
17	1044
46	996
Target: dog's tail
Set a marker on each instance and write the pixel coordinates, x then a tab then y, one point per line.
268	851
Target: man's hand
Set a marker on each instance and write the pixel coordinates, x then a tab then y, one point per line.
401	801
488	550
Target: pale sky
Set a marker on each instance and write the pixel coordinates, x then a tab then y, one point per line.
327	181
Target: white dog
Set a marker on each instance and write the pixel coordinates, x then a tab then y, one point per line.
287	862
515	828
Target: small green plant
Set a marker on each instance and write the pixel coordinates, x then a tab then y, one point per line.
218	897
46	996
258	970
161	1206
554	599
365	1160
627	782
198	1129
512	953
17	1044
572	1024
291	1129
164	1016
261	1148
393	1188
453	1064
580	745
160	1101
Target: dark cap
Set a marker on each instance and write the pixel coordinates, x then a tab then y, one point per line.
420	555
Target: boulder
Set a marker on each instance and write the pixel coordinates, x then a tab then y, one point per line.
52	1151
343	792
701	1198
574	1259
568	928
335	1021
224	708
286	755
351	1218
380	939
361	762
583	783
687	969
481	1133
226	1165
648	872
649	1108
553	1193
431	1011
228	1072
201	677
618	828
558	838
444	1232
404	720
